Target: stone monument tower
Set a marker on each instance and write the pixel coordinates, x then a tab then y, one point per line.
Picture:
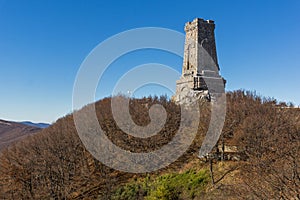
200	71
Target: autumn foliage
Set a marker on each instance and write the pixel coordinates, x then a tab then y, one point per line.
54	164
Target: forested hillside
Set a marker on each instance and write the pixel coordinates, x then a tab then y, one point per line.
55	165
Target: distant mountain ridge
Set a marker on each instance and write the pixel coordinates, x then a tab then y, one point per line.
11	132
38	125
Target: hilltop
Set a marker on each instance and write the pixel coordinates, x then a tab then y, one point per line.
55	165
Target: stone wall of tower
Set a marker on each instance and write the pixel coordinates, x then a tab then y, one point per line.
198	32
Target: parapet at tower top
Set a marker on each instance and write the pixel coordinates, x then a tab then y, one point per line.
209	21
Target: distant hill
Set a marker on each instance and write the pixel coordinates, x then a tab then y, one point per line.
11	132
38	125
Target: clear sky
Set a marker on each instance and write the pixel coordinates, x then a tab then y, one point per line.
43	43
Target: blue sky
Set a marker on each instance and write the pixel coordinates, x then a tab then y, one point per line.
43	43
